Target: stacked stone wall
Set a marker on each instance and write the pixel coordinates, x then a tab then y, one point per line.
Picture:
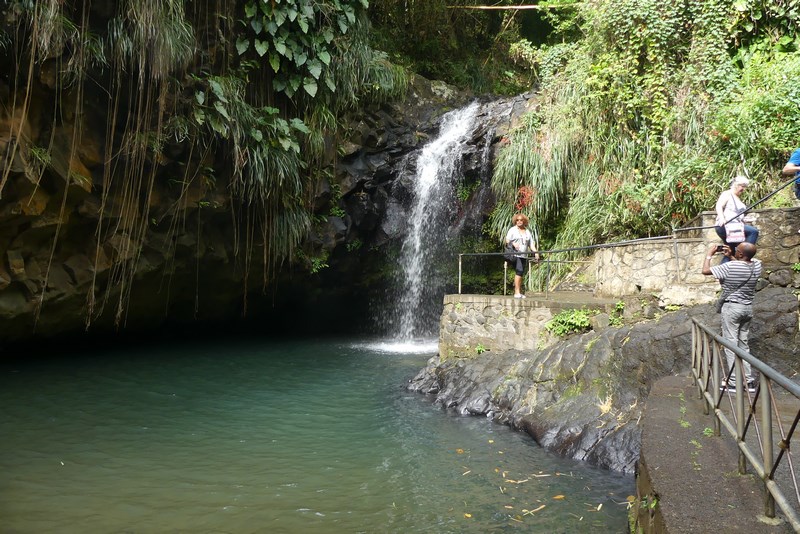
671	268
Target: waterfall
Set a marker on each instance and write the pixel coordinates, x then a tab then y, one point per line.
424	247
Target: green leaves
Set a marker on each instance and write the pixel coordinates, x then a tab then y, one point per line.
301	36
310	85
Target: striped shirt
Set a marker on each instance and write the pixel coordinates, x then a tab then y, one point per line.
733	274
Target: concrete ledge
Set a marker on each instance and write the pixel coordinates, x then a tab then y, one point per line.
553	299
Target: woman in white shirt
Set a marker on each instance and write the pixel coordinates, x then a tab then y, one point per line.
521	239
730	208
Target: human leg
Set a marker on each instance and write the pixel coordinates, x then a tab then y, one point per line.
736	320
720	230
745	318
519	271
729	332
750	234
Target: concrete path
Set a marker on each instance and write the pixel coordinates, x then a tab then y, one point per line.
688	478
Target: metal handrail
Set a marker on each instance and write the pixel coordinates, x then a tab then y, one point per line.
547	261
707	368
673	236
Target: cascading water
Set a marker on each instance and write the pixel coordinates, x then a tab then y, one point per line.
429	218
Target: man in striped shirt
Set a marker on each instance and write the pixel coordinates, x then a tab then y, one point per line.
738	279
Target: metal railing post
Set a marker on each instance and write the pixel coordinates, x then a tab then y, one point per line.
741	388
766	440
505	278
715	380
459	273
759	455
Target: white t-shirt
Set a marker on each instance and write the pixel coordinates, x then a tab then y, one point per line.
521	239
731	207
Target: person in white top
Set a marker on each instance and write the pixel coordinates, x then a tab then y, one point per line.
730	209
519	237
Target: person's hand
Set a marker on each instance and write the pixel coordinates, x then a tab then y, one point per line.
712	250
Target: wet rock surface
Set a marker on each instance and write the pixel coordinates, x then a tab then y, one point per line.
71	259
584	397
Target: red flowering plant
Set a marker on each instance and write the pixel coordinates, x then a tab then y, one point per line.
525	197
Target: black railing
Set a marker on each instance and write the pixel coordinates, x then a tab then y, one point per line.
547	253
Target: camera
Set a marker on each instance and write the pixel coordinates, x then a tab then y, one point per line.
720	248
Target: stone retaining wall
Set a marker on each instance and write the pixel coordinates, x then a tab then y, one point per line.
473	323
670	268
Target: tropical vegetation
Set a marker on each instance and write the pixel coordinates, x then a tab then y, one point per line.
644	109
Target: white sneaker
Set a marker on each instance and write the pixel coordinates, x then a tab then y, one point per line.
519	296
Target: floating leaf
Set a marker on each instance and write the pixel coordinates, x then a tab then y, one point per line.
467	515
558	498
459	451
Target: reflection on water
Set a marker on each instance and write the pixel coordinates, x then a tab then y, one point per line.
258	436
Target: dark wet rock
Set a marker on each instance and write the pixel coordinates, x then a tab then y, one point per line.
584	397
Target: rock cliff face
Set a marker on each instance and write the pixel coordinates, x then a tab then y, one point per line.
583	397
64	268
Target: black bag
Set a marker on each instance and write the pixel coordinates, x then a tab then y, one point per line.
509	254
721	301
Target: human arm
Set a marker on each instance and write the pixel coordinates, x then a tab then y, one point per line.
710	254
722	201
532	248
791	168
793	165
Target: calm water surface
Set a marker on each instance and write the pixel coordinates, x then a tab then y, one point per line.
261	436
